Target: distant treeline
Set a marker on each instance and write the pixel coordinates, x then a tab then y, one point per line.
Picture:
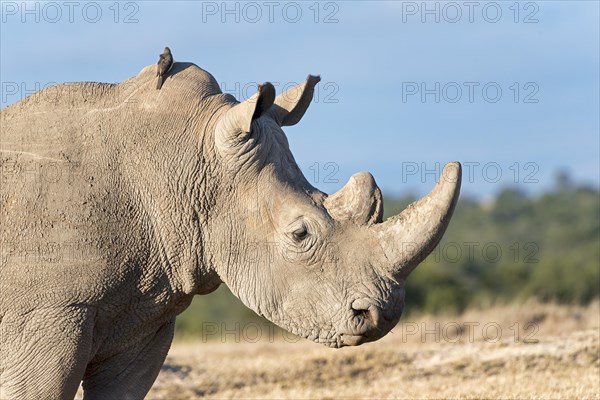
512	249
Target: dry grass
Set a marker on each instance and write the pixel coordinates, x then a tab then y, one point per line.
560	361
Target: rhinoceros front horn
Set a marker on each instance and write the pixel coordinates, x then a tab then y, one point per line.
407	238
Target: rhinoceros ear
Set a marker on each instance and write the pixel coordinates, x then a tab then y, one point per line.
238	119
359	200
291	105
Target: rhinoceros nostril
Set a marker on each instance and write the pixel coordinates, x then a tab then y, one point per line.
365	310
361	313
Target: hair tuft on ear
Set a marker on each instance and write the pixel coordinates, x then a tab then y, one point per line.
266	97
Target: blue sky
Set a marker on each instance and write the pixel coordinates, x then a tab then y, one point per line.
511	89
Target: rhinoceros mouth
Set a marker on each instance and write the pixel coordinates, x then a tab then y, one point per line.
341	340
351	340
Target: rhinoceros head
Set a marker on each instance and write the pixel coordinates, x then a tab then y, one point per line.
326	268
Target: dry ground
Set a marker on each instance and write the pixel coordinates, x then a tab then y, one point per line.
461	357
532	351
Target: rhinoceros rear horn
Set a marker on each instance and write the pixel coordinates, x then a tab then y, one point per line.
291	105
359	201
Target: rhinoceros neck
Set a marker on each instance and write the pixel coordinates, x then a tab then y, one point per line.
170	174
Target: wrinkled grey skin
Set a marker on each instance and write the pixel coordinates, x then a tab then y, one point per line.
119	203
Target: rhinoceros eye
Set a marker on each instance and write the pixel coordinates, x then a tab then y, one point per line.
300	234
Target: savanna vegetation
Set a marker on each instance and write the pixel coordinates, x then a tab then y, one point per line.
510	250
554	356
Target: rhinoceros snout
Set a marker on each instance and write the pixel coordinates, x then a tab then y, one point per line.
374	321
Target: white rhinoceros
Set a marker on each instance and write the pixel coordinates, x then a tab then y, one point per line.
120	202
